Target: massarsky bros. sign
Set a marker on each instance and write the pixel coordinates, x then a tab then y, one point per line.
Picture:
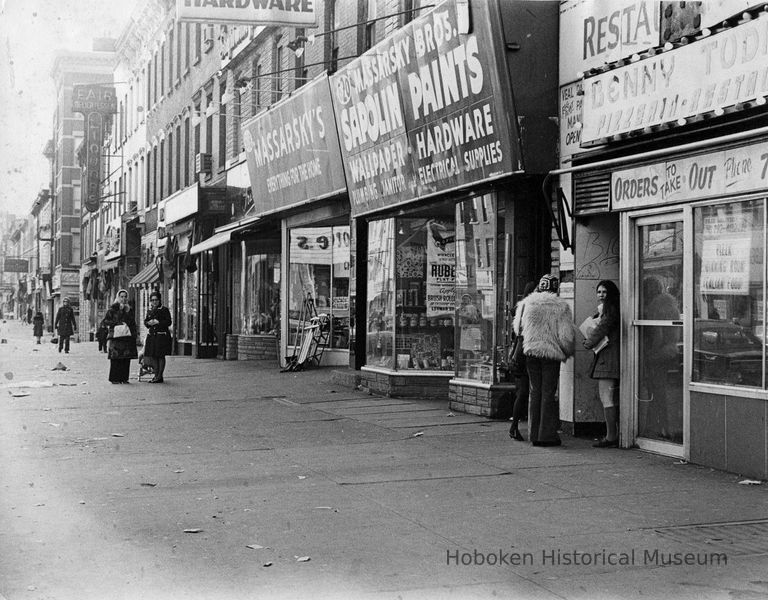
294	13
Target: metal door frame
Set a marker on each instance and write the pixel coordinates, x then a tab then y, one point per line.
631	287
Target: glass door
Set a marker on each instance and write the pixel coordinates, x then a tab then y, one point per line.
657	269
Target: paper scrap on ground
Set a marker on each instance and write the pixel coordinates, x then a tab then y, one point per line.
28	384
192	530
19	394
750	482
303	559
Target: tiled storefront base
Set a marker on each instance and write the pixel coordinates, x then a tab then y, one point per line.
256	347
230	348
730	433
397	384
492	401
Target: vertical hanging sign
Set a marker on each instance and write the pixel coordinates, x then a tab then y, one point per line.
94	102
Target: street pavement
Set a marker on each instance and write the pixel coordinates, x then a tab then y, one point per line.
235	481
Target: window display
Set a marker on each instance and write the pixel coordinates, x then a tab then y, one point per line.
380	337
187	302
475	287
425	294
729	279
261	313
319	269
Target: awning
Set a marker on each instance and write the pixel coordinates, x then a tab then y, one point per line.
217	239
223	235
147	275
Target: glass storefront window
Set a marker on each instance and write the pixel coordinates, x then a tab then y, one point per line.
187	304
729	275
261	313
319	268
425	295
475	287
380	338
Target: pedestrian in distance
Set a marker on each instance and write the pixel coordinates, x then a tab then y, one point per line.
605	365
29	316
158	343
101	336
520	370
122	338
546	323
38	321
65	325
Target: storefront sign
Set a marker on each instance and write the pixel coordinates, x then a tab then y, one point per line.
596	32
181	205
571	117
717	72
441	268
94	102
725	254
14	265
294	13
733	171
319	245
292	150
111	240
424	111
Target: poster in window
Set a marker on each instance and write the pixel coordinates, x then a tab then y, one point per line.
441	268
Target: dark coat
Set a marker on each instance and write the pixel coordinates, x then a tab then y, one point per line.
158	342
65	323
38	321
121	348
606	364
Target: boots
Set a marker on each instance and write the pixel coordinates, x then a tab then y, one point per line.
514	432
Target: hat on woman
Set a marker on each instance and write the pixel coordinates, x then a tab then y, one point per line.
549	283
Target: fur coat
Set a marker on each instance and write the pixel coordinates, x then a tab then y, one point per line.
546	324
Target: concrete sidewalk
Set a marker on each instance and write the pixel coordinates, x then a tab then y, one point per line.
388	498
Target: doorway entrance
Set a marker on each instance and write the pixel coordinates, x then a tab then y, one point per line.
656	272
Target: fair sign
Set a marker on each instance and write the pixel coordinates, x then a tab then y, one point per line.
731	171
426	110
293	13
711	74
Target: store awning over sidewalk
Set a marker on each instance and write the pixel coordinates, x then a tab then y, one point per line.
217	239
146	276
223	235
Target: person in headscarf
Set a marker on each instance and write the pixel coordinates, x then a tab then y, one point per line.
121	348
546	324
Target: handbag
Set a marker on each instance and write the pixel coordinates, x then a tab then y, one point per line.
517	357
121	330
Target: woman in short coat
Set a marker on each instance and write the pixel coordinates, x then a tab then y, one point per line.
605	366
38	322
158	344
120	351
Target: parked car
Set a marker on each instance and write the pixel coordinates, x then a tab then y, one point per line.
725	352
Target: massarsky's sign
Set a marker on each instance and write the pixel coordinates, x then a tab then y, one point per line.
292	150
427	111
294	13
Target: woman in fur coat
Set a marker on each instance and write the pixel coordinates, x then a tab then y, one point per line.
120	350
546	324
